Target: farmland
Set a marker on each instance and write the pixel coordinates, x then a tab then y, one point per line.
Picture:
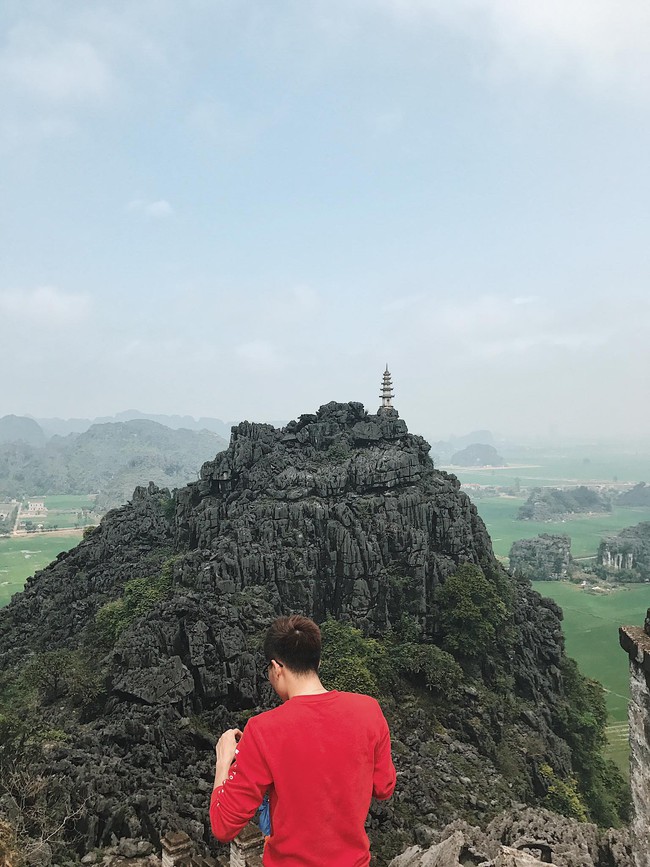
586	531
21	556
591	630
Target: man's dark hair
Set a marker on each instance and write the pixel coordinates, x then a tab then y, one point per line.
295	642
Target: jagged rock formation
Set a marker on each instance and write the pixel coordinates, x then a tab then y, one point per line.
544	558
522	838
627	552
340	514
478	455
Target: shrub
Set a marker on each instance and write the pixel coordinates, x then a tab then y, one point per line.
347	655
562	795
139	596
437	669
55	673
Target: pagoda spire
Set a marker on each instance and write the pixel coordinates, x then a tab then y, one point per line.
387	393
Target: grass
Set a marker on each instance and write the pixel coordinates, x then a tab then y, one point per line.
70	502
591	631
499	514
21	556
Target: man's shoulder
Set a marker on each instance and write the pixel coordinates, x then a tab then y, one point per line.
360	700
346	701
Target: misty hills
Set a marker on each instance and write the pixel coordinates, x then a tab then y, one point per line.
108	458
15	428
478	455
64	426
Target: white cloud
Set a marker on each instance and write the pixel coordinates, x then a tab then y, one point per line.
601	42
492	326
44	305
157	210
37	64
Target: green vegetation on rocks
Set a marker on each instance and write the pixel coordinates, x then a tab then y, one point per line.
545	504
140	595
626	556
472	616
547	557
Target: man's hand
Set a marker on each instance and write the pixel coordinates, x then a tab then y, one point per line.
227	746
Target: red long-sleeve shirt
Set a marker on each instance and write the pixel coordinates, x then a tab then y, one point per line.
321	758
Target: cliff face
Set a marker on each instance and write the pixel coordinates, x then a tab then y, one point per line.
324	513
628	551
339	514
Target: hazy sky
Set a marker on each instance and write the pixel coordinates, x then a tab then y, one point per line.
244	209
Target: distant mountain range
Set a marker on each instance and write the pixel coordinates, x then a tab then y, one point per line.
110	459
65	426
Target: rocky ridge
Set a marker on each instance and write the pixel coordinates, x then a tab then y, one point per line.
339	514
545	557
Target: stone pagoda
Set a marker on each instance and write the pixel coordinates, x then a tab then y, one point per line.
387	394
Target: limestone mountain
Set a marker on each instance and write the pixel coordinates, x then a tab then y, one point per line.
546	557
639	495
111	459
626	555
546	504
21	429
478	455
141	645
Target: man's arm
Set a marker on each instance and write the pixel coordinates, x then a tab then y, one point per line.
239	787
384	777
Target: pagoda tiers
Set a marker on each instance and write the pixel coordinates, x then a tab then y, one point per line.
387	393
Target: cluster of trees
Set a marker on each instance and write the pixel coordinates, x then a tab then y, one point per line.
7	523
546	504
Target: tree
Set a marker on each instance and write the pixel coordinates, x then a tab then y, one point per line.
471	613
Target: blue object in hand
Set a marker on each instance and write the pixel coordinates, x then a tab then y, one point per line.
264	816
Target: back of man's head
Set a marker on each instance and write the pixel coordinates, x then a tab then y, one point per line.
295	642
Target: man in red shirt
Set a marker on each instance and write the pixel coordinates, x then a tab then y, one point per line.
321	756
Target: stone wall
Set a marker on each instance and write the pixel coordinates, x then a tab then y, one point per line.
636	641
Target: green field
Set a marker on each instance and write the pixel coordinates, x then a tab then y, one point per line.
577	465
591	631
63	512
499	514
70	502
21	556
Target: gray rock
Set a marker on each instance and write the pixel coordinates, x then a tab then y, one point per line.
128	848
525	838
38	853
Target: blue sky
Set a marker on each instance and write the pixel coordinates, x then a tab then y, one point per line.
244	209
